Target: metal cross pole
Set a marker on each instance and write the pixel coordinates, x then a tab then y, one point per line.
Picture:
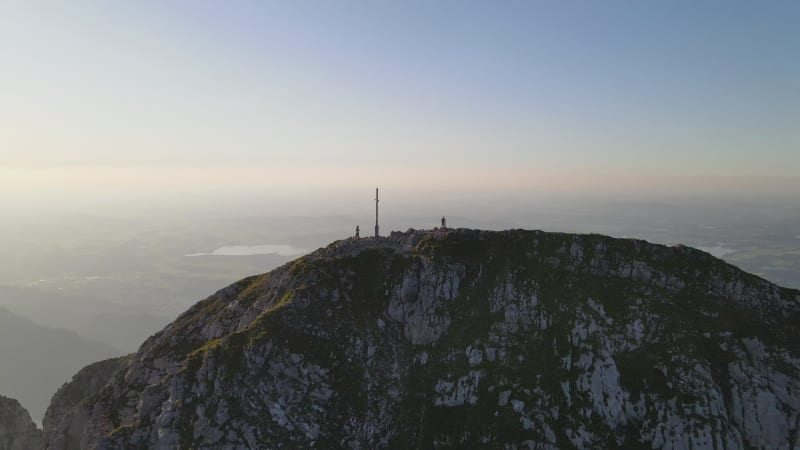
377	233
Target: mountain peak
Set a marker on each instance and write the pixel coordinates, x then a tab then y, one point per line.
468	338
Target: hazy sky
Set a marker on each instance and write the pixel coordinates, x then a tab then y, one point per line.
581	96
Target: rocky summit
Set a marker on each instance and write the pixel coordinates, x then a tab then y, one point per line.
461	339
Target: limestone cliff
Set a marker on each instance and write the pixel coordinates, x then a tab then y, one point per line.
464	338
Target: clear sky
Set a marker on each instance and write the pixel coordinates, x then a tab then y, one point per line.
462	95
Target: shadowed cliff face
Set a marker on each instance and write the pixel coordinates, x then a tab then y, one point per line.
17	430
468	338
67	413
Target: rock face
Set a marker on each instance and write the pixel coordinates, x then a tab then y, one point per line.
467	339
66	418
17	430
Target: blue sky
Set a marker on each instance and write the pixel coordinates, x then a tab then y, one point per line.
476	93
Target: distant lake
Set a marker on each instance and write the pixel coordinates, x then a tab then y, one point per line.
248	250
718	251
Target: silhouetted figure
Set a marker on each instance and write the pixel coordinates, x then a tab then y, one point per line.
358	232
444	222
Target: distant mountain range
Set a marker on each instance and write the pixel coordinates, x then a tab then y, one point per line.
35	360
94	318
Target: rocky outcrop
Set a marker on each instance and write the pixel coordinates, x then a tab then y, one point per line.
17	429
66	418
464	338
